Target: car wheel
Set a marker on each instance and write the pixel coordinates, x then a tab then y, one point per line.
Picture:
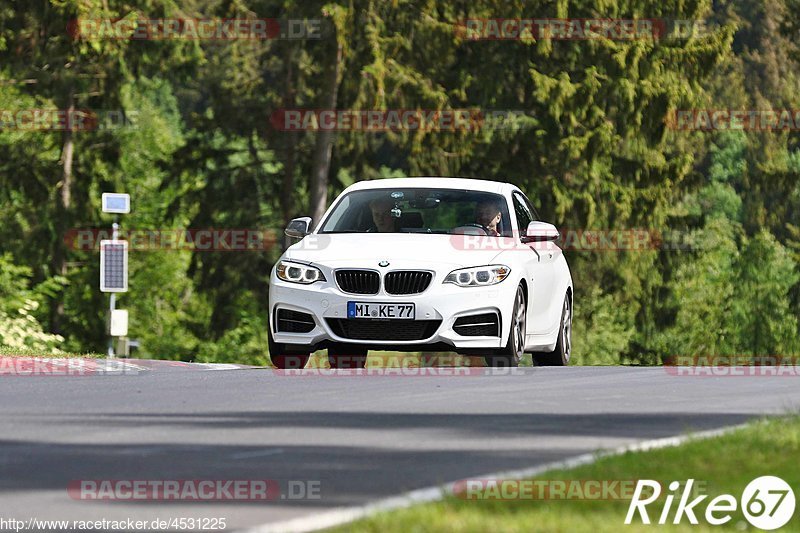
559	356
347	356
282	358
512	353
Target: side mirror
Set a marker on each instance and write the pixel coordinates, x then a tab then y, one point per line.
540	231
298	227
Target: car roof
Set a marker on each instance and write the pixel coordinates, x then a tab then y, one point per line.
434	182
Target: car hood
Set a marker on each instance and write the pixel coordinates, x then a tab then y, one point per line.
367	249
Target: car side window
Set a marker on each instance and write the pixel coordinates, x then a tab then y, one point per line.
522	212
530	207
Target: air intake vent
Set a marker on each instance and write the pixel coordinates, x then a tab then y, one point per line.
483	325
383	330
358	281
407	281
294	321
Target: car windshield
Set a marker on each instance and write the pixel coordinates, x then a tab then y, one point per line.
420	210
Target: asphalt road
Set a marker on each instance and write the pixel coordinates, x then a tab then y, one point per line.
360	438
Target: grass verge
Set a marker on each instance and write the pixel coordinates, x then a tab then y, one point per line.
8	351
721	465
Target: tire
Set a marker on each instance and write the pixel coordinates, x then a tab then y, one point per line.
514	350
559	356
347	356
282	359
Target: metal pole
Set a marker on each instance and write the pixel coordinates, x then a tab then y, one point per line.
112	298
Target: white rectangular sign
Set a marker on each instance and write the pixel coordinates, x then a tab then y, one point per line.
116	202
118	323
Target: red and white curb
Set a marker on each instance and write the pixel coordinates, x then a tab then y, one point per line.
160	364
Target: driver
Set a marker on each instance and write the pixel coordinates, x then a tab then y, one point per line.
382	215
488	215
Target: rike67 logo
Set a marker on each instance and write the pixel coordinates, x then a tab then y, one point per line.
767	503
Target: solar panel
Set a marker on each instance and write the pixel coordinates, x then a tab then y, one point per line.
113	266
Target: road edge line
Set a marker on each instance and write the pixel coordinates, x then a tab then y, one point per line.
345	515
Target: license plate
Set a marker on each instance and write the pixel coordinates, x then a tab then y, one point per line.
379	311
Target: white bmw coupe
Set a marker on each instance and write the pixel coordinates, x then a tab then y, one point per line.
412	264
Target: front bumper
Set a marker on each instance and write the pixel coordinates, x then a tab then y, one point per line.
440	306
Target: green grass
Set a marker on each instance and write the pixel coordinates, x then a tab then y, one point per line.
725	464
8	351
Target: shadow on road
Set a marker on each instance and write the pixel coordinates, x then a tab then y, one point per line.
348	474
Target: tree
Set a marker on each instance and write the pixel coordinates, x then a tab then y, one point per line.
765	274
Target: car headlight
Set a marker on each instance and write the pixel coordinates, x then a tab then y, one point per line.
478	276
298	273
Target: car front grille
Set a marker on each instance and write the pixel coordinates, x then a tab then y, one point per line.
407	281
483	325
358	281
383	330
294	321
